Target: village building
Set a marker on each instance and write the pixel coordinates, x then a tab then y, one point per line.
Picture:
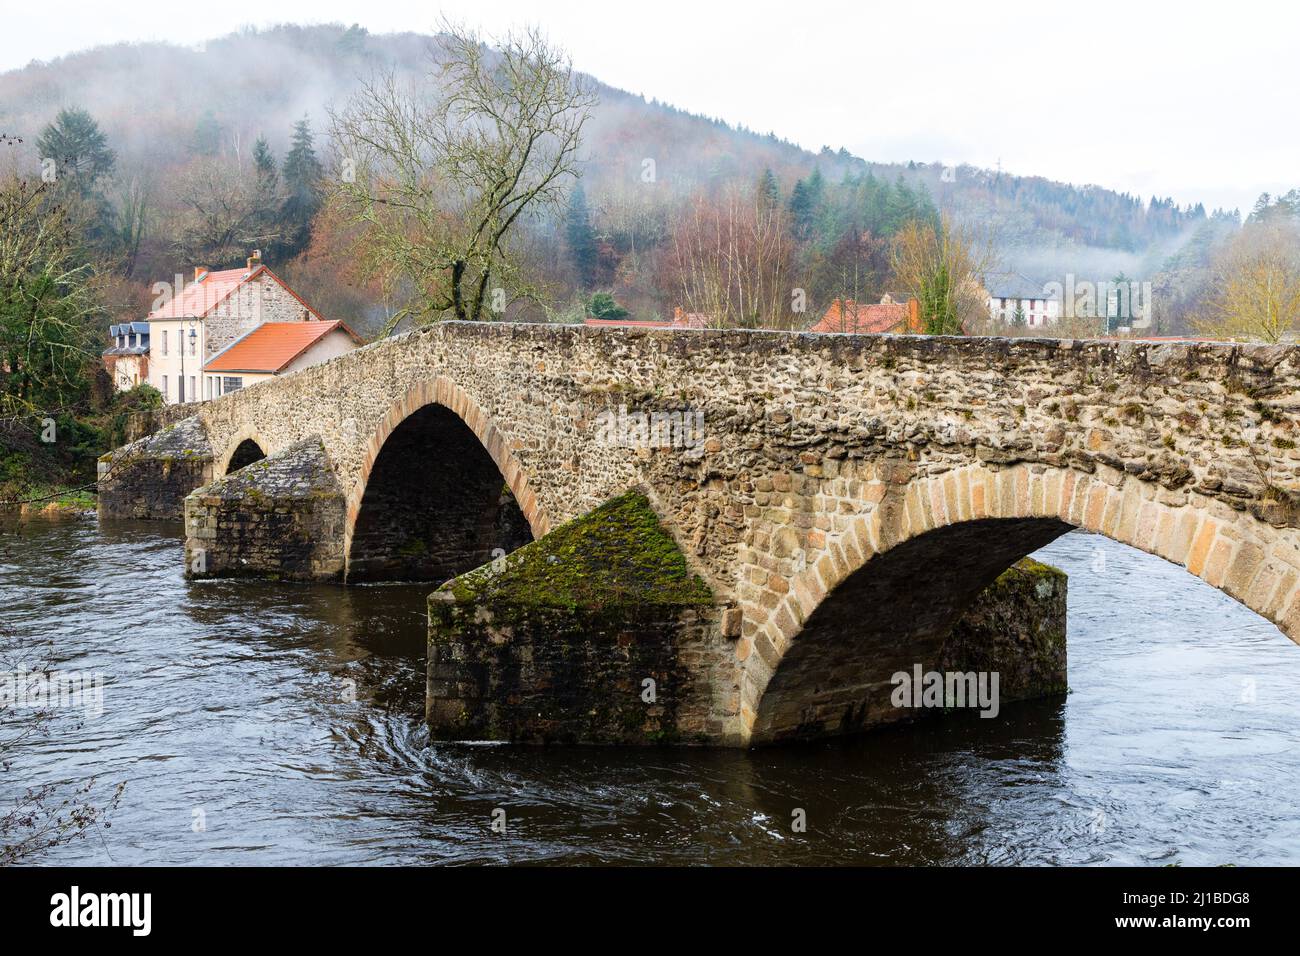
1014	299
209	315
274	348
127	359
680	320
862	318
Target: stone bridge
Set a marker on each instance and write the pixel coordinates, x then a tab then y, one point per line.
844	499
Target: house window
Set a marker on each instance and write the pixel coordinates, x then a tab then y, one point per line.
164	388
231	383
164	342
194	392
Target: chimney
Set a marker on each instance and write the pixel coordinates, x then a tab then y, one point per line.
198	271
255	260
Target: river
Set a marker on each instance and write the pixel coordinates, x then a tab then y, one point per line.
259	723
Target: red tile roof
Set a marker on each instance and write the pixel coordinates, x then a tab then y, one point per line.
861	319
211	289
618	323
272	346
680	320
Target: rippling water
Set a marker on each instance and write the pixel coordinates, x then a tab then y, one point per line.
233	703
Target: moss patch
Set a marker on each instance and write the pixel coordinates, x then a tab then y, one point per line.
619	554
1028	569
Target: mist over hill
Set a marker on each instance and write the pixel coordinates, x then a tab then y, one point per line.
161	105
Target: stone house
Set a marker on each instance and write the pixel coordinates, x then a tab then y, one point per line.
863	318
127	359
1013	298
213	311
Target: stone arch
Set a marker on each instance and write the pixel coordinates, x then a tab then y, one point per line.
962	528
238	448
443	396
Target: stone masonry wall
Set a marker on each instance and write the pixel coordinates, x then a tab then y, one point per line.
787	414
280	517
570	675
820	451
596	633
149	478
262	300
436	519
1016	627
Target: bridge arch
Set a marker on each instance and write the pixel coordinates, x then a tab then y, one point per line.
463	451
884	593
246	447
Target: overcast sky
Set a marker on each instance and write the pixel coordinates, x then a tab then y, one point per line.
1193	100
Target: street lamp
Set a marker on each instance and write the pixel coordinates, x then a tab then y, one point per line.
193	336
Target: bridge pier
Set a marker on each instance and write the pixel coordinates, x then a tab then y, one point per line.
281	517
149	478
599	632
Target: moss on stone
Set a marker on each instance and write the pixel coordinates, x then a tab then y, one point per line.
619	554
1029	568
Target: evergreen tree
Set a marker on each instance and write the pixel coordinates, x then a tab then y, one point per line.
267	197
603	306
805	203
78	147
268	177
302	174
581	238
769	193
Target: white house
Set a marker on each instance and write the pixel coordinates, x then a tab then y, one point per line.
1012	298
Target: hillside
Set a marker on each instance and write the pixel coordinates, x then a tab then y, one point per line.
166	110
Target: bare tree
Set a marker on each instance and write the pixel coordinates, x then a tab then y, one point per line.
42	817
220	210
1254	292
47	307
440	172
942	268
731	258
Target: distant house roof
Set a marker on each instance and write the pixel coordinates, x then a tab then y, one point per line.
680	320
210	289
139	329
860	318
689	320
1013	285
272	346
618	323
